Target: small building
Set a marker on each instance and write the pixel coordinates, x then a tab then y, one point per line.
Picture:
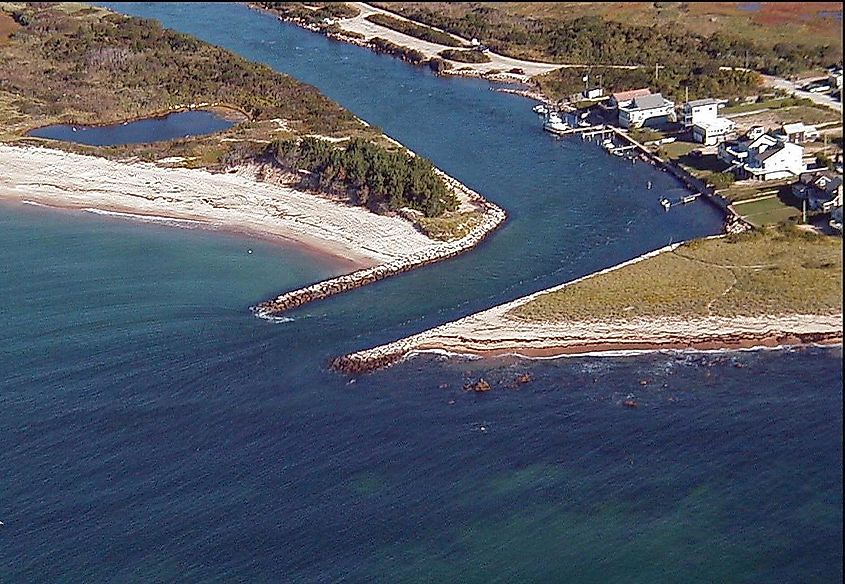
822	190
700	111
635	112
595	93
755	132
715	131
797	133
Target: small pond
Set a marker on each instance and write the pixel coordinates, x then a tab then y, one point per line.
169	127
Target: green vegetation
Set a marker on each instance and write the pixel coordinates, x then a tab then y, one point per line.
73	64
415	30
674	81
311	12
766	211
720	180
366	173
776	271
412	56
80	65
468	56
641	33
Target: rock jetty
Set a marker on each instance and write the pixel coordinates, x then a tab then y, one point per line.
492	217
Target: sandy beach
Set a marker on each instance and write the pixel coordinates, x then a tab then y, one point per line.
495	332
234	202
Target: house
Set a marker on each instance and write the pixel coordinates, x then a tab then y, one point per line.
765	158
700	111
821	190
755	132
626	96
635	112
797	133
713	131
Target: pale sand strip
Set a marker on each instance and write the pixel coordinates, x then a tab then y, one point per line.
234	202
493	332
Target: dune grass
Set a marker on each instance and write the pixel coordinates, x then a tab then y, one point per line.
774	271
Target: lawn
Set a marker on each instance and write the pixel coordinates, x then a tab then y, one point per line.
768	211
774	271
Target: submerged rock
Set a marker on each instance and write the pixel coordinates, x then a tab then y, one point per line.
479	386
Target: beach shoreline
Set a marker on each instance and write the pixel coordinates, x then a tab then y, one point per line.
496	332
357	240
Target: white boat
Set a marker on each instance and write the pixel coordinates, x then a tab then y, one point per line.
665	202
541	109
555	123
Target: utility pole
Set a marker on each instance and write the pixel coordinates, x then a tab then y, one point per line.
804	211
686	93
655	72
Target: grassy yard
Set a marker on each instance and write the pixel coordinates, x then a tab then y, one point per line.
767	211
766	272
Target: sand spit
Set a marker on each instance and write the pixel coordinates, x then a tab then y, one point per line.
493	332
231	201
377	246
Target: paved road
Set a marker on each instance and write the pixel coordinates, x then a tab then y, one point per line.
792	86
361	25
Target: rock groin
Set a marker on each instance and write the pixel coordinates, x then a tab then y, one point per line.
493	216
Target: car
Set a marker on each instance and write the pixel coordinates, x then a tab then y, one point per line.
695	154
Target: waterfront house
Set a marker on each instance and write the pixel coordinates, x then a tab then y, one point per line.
797	133
635	112
822	190
766	158
715	131
701	111
626	96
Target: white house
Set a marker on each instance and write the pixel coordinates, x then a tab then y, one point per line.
700	111
633	113
713	131
766	158
797	133
783	160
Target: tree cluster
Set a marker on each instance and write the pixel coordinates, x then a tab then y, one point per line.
366	173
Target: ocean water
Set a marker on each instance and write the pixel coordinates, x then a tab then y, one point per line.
153	430
169	127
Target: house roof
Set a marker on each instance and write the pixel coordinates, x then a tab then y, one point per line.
723	124
793	128
629	95
770	151
649	101
703	102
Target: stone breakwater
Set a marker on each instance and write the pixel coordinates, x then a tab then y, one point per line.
493	216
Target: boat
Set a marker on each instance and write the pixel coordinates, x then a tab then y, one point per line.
689	198
554	123
665	202
541	109
608	144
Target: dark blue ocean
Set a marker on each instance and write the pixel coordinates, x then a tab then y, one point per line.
153	430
